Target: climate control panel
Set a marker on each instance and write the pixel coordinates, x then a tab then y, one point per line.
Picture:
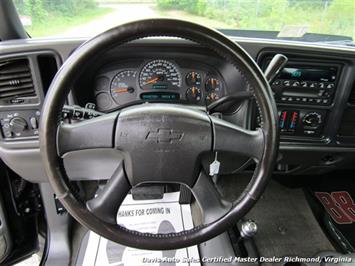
19	124
301	122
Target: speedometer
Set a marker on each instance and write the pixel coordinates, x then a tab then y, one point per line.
160	75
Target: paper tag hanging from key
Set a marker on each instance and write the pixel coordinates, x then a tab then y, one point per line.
214	166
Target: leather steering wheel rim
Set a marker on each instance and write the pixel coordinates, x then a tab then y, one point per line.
86	54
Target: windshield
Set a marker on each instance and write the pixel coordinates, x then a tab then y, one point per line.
303	20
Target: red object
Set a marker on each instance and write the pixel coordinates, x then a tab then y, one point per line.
339	205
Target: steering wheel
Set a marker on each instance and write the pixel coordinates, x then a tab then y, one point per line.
160	142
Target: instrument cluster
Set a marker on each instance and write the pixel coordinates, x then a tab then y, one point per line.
157	80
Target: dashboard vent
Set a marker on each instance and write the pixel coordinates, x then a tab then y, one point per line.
16	79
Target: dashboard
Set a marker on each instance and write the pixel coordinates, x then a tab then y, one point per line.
315	97
170	80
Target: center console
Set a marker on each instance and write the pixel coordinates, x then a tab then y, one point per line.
304	92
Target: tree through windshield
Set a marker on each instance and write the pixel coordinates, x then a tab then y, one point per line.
289	18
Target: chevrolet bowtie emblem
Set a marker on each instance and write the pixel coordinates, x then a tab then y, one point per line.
162	135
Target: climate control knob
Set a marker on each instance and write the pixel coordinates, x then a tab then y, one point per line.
312	119
18	124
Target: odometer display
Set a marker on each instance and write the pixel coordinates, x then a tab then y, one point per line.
159	75
168	96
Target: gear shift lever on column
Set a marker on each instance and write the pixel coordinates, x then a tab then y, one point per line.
276	64
226	104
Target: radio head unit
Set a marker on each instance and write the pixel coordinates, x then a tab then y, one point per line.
305	84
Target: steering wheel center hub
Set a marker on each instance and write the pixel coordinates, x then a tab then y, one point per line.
163	143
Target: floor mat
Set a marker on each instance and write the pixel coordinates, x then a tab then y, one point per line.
286	225
153	216
335	194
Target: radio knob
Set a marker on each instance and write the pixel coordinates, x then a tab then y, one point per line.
313	120
18	124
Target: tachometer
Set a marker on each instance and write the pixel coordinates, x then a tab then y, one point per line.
160	74
122	86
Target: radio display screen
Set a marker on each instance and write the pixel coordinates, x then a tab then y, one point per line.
326	74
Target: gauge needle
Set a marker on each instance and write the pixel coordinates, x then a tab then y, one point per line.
128	89
153	80
118	90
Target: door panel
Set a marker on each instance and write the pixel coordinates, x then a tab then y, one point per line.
5	239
